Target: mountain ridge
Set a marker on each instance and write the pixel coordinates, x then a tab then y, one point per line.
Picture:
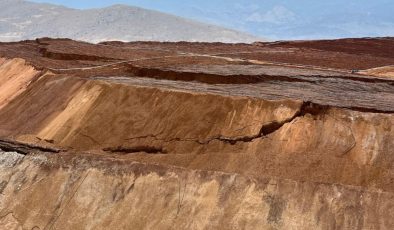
22	20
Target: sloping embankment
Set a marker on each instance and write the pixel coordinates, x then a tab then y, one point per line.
206	160
116	194
16	75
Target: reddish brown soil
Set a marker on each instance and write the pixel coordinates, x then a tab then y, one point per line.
346	54
295	115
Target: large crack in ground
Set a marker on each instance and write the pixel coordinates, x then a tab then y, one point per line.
266	130
136	149
25	148
272	127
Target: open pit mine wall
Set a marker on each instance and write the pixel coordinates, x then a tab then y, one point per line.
279	164
79	192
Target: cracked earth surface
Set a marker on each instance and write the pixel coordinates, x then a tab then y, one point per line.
145	135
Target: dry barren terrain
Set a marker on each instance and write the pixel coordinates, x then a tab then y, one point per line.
148	135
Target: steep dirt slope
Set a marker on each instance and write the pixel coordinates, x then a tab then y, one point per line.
234	134
15	77
122	194
179	136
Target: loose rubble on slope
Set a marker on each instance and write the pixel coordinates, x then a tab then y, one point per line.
146	135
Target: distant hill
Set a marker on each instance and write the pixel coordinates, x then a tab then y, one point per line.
20	20
288	19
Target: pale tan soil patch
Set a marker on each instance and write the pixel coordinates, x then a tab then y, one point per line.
384	71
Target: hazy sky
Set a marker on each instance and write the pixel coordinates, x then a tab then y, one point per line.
278	19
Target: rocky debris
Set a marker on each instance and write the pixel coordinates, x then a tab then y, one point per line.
197	135
10	159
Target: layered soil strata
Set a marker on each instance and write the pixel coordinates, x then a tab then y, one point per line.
123	194
196	135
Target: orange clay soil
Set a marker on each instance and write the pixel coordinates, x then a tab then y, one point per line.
15	77
196	136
